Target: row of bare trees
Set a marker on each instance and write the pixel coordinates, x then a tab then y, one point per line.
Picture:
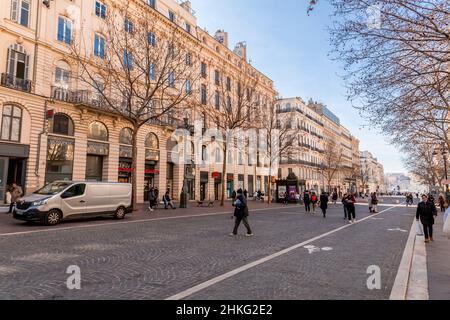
397	66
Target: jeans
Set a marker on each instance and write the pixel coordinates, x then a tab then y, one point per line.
345	212
238	221
307	207
428	231
351	212
169	204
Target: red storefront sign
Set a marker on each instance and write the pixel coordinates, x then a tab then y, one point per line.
146	171
215	175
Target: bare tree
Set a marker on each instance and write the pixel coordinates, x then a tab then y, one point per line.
280	135
141	70
332	162
397	63
229	108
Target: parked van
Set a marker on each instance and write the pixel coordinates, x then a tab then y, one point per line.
63	200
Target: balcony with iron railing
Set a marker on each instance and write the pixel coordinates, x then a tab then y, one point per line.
13	82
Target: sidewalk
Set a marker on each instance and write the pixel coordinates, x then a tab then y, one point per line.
438	261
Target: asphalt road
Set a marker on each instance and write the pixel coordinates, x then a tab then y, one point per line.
160	259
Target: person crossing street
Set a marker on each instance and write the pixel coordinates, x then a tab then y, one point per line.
241	214
426	212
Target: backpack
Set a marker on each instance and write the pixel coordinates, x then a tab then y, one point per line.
314	198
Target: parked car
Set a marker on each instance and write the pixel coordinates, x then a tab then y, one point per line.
63	200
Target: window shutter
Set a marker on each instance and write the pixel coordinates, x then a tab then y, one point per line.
96	45
27	66
60	29
102	47
15	10
68	32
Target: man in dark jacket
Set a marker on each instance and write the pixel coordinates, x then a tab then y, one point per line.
151	198
324	203
307	201
241	214
426	211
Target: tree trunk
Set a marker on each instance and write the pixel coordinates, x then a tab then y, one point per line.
269	187
134	169
224	175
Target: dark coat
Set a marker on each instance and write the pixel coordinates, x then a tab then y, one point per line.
151	195
242	210
306	198
426	211
323	201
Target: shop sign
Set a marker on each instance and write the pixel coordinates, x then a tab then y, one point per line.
152	155
125	152
151	171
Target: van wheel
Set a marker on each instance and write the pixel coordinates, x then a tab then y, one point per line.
53	218
120	213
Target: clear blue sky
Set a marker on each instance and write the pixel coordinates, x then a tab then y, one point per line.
292	49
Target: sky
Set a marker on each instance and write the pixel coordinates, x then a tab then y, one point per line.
293	49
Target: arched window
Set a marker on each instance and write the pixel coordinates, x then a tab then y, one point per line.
126	136
218	155
151	141
61	124
11	124
98	131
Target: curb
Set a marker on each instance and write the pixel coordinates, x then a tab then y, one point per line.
411	282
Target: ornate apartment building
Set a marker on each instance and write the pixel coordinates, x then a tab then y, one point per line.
53	126
318	129
372	173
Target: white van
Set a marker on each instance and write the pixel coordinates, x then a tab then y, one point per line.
63	200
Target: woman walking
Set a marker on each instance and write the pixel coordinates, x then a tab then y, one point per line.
351	211
426	212
442	203
344	204
314	201
307	201
151	199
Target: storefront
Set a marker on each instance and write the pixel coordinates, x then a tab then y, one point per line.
241	179
152	157
96	154
60	154
13	162
125	155
250	184
230	185
204	179
217	176
259	183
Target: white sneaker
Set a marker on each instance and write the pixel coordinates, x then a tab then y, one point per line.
233	235
150	209
349	221
249	234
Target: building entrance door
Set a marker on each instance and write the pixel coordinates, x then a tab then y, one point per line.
3	178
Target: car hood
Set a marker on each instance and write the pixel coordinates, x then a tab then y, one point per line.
35	197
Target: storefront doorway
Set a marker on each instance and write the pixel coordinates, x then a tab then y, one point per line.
230	185
13	164
204	178
94	168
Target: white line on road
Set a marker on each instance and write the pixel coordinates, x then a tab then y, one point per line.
125	222
234	272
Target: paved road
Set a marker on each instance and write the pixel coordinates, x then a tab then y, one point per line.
162	258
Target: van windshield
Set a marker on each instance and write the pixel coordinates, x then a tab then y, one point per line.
53	188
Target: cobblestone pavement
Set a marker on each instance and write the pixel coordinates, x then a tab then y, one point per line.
155	259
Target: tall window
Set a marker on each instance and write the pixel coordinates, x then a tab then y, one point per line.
18	62
11	124
100	9
228	83
171	16
203	69
171	79
99	46
20	11
127	59
203	94
64	30
188	59
151	39
188	27
129	26
217	77
217	100
152	3
188	86
151	72
152	147
62	75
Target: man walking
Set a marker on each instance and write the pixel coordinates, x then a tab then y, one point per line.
426	212
307	202
344	204
16	193
151	199
324	203
241	214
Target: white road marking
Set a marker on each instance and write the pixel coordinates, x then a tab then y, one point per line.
121	223
246	267
397	229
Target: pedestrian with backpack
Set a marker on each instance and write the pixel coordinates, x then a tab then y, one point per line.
307	202
324	203
241	214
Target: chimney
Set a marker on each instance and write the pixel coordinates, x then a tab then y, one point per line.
241	50
222	37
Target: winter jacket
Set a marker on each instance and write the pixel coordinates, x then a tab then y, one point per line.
306	198
323	201
240	207
426	211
